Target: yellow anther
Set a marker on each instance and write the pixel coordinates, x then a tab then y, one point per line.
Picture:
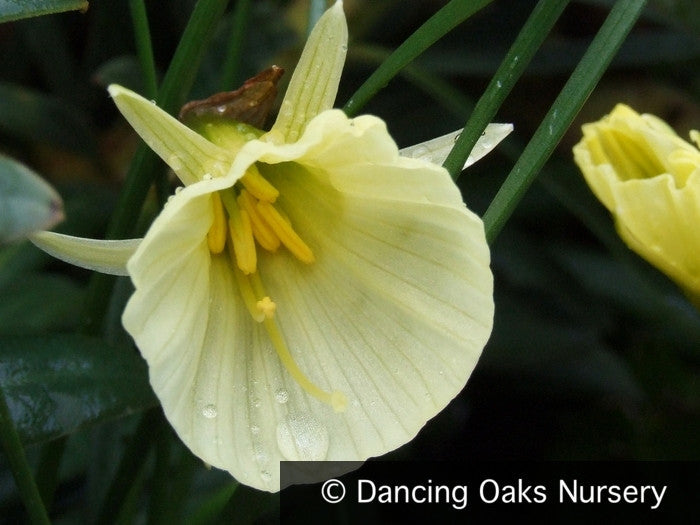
261	231
216	236
285	232
241	234
267	306
243	242
258	186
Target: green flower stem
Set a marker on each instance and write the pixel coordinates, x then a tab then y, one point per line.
230	75
131	465
441	23
19	466
48	469
144	48
583	80
529	40
176	84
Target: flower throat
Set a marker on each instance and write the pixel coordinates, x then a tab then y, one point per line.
245	216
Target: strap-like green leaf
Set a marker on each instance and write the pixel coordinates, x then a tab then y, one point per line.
16	9
567	105
441	23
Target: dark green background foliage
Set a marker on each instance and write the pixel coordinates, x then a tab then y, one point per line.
594	354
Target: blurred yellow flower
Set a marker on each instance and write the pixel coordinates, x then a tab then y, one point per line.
649	179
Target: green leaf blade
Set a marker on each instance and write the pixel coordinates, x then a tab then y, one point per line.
18	9
55	385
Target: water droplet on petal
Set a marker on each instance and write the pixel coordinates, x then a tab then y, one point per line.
265	475
255	429
175	162
281	396
209	411
302	438
207	176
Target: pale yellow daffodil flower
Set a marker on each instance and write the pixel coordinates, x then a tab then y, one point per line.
311	293
649	179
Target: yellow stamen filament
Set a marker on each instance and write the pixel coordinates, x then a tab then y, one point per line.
261	231
258	186
247	292
285	232
216	237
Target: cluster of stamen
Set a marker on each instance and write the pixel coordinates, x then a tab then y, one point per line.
246	216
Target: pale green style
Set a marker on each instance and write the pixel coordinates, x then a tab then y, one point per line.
649	179
338	344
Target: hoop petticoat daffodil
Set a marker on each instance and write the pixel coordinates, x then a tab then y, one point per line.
310	294
649	179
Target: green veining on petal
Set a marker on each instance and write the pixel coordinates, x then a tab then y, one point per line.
190	155
314	84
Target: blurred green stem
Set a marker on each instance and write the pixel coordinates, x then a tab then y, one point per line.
19	466
231	74
48	468
176	84
583	80
529	40
437	26
132	463
144	49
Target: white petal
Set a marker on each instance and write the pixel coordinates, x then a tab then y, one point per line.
315	80
437	149
394	312
190	155
94	254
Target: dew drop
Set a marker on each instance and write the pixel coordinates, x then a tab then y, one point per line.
255	430
153	102
207	176
265	476
209	411
221	110
282	396
175	162
255	402
419	152
302	438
